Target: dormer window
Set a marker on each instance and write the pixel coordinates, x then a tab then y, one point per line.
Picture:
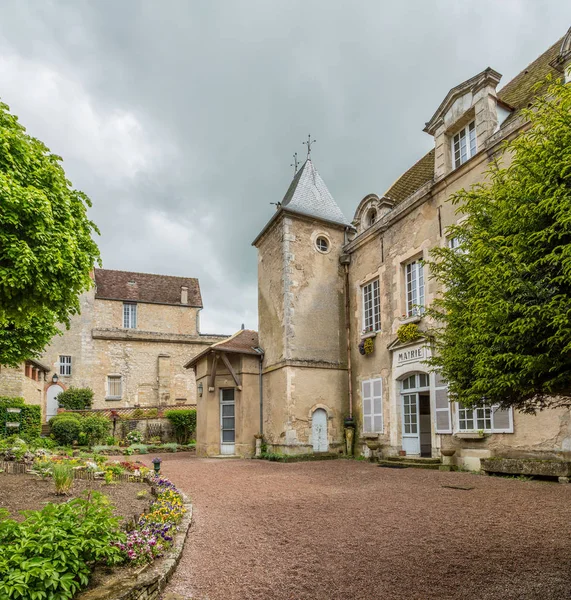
371	217
464	144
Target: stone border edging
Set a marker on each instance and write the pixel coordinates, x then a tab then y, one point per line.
149	583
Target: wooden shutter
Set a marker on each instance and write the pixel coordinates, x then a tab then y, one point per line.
367	394
502	420
442	417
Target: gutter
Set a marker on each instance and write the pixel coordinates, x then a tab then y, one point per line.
260	377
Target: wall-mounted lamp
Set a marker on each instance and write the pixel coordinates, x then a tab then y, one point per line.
54	378
200	389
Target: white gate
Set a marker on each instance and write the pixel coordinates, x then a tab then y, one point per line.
51	401
319	430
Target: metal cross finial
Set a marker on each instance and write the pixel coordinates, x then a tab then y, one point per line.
295	163
308	144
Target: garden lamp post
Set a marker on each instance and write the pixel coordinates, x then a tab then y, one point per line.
157	465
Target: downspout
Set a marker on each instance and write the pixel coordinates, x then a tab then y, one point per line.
261	353
348	335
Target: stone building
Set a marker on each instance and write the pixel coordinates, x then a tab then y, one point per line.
327	287
228	375
129	344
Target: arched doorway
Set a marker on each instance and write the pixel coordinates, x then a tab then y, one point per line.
415	401
319	430
51	400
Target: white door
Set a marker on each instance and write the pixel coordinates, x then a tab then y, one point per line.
51	401
319	430
227	422
410	421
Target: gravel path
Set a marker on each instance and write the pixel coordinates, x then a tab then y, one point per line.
350	530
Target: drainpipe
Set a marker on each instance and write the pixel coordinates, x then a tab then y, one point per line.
348	335
261	353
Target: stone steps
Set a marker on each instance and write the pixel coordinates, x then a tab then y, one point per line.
403	464
414	459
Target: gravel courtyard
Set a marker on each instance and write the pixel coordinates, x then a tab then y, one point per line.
351	530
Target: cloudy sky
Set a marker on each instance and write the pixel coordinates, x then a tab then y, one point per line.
179	118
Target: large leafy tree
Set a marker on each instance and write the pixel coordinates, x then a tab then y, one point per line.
503	332
46	245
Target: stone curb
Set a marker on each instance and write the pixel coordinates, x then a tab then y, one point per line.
149	583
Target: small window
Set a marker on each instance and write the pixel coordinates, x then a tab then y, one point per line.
371	307
464	144
65	365
322	244
414	273
129	316
114	387
371	217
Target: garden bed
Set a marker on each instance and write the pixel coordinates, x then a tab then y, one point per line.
29	492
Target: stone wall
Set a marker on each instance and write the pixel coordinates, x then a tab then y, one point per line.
149	359
407	232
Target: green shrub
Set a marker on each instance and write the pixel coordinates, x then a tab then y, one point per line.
62	475
183	421
65	428
139	448
51	553
134	437
30	417
169	447
76	398
96	428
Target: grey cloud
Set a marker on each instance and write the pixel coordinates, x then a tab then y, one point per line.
223	93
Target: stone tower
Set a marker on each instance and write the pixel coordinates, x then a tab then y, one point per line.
301	308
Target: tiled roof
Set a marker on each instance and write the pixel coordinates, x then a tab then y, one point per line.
413	179
308	195
145	287
242	342
518	93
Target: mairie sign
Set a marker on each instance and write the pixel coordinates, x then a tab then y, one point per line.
411	355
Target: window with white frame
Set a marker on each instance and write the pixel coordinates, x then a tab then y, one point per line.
64	365
371	306
129	315
114	387
464	144
490	419
372	391
454	243
414	276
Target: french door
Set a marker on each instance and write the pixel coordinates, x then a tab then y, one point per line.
410	420
227	422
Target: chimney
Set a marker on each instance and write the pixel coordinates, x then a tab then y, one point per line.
184	295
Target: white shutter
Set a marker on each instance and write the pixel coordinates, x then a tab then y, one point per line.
502	420
377	405
442	417
367	407
372	393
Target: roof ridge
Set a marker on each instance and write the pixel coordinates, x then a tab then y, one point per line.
145	273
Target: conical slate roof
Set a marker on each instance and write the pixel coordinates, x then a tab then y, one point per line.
309	195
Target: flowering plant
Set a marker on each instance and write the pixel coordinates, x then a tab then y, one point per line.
135	437
155	529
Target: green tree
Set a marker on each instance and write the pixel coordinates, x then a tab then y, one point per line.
46	245
503	330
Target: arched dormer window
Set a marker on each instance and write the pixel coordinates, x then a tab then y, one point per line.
371	217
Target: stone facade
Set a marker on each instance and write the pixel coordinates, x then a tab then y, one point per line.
313	365
146	360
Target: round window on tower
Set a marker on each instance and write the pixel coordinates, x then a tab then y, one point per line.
322	244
